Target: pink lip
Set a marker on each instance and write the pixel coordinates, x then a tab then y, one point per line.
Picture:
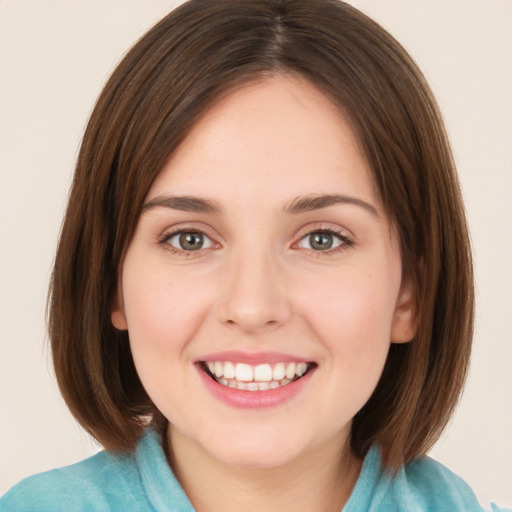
254	399
252	358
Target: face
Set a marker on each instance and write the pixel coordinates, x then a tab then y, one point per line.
262	288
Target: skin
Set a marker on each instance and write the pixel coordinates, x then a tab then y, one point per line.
258	285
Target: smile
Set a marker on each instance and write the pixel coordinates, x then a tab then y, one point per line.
259	377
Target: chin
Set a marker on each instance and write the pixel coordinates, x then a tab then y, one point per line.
261	451
257	458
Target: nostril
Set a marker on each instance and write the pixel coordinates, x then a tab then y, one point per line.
251	323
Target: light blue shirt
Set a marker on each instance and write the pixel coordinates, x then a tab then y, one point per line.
143	481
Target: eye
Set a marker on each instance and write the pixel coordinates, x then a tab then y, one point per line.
188	241
322	240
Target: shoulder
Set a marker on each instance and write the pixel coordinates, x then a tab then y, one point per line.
423	485
106	481
432	486
138	480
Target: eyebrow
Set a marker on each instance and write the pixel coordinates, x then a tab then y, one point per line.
184	203
298	205
317	202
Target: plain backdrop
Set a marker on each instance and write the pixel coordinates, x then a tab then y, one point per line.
54	58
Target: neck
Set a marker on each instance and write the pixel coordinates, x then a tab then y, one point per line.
320	480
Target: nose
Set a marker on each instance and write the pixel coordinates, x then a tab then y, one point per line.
253	296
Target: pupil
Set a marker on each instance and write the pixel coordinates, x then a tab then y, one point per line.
191	241
321	241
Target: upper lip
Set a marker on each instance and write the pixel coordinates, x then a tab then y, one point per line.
252	358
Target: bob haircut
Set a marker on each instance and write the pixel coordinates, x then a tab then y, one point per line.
189	60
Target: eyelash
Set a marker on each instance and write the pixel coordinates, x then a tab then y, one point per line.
164	239
345	244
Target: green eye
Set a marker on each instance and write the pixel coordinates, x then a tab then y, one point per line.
321	241
189	241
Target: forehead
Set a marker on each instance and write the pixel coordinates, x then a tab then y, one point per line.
278	136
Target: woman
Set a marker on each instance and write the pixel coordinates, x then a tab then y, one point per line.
171	239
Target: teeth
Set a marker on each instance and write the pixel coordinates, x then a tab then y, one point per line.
279	371
218	369
263	373
290	371
255	378
243	372
229	370
300	371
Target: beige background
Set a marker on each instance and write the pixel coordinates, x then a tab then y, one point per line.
54	58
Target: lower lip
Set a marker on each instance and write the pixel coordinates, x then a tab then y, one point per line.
255	399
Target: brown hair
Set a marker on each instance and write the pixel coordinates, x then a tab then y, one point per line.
164	84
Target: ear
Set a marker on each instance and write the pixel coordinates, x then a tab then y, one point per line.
404	319
117	316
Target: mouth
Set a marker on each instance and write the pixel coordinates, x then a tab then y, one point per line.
261	377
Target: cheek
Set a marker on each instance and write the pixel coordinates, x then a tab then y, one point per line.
356	307
163	312
163	309
352	316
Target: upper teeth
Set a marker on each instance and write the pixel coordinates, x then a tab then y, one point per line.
260	373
